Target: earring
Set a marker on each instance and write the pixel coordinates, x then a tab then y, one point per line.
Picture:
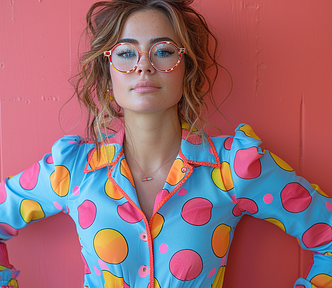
109	94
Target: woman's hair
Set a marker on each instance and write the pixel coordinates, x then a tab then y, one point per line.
105	21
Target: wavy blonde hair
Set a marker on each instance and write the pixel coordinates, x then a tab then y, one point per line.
105	21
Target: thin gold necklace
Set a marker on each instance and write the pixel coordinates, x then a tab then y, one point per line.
151	175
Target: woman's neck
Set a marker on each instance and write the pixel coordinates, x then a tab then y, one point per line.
152	139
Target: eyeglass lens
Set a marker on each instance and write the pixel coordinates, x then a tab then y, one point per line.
163	57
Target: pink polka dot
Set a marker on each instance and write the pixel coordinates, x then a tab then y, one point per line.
193	139
317	235
3	193
197	211
144	237
247	164
328	206
223	261
268	198
160	197
72	142
29	177
7	230
295	198
98	273
245	205
228	143
212	272
86	214
234	199
128	213
186	265
103	265
86	267
182	192
163	248
143	271
57	205
76	190
49	159
210	150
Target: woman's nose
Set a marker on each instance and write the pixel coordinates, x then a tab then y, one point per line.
144	64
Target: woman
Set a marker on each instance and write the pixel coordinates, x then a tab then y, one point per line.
156	203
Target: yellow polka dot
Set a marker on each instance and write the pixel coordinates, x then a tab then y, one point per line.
31	210
156	283
249	132
322	280
281	163
60	180
112	281
327	254
222	177
112	191
157	225
12	283
125	171
219	280
317	188
185	125
175	175
277	223
106	156
110	246
220	240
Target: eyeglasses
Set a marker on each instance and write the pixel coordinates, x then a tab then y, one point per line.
164	56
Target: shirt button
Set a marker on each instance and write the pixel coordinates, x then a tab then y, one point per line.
184	169
143	271
144	236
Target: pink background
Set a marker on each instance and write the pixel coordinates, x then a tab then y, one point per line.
279	55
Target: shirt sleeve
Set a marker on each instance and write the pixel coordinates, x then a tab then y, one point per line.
266	187
36	193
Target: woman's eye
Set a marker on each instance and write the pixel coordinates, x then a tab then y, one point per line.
126	54
164	53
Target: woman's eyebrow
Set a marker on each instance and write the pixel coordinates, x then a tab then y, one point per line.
152	41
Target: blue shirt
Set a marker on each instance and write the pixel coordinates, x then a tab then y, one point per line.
212	183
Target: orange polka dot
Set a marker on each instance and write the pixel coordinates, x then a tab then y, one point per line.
277	223
281	163
222	177
125	171
219	280
249	132
157	225
60	180
220	240
112	191
106	156
110	246
322	280
175	175
112	281
31	210
317	188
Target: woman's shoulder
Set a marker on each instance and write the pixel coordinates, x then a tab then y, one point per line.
243	137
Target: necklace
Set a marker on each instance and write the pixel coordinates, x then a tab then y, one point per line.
152	174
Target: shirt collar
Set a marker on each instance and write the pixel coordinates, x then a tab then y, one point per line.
194	150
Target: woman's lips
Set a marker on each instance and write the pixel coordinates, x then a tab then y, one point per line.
146	87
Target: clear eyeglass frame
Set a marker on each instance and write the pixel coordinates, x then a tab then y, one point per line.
181	51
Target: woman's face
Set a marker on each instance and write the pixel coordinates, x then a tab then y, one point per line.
147	89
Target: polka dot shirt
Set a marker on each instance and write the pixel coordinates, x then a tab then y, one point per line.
213	182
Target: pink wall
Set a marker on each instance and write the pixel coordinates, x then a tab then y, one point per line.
279	55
